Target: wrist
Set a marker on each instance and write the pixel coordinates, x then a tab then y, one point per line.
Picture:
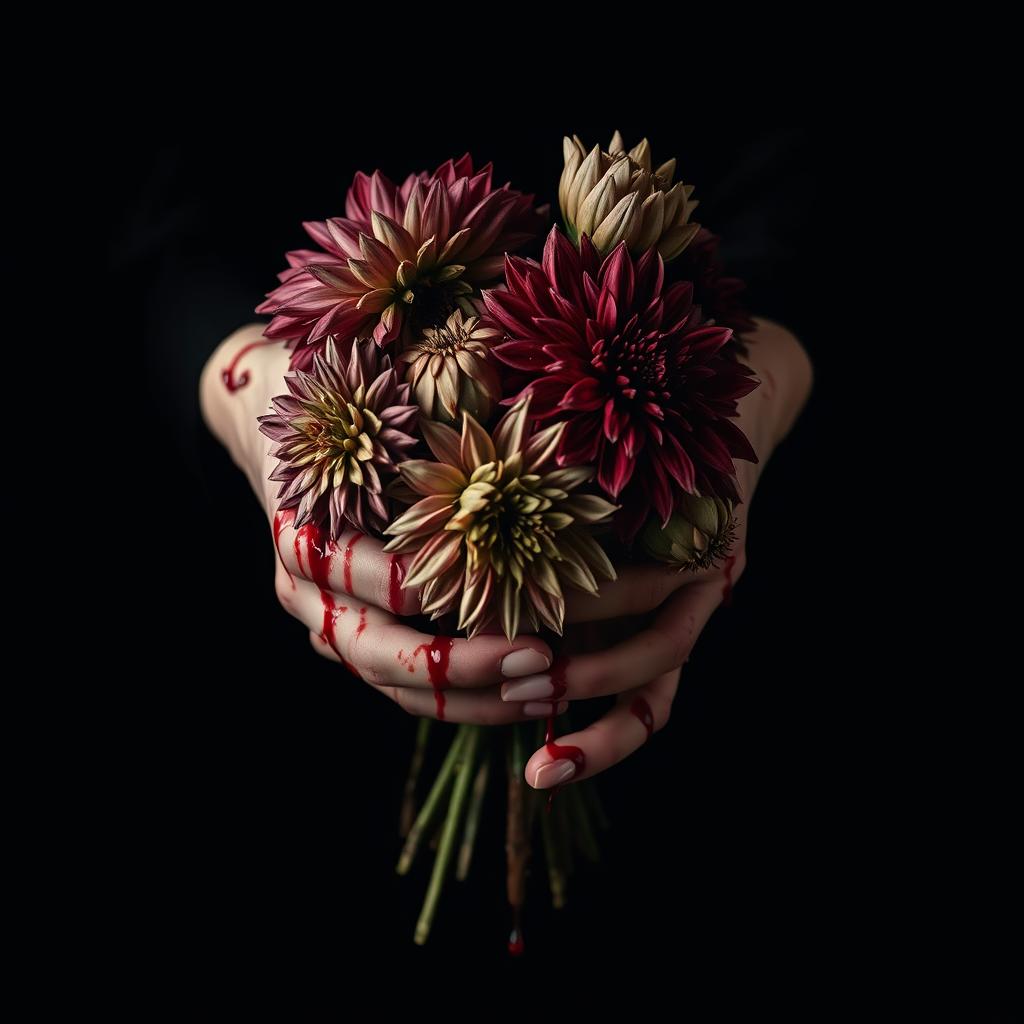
786	374
235	387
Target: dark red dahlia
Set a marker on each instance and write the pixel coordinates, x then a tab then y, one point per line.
401	259
718	295
645	386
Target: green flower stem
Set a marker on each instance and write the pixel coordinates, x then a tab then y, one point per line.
419	752
556	874
473	818
593	801
517	838
579	819
467	757
432	805
560	827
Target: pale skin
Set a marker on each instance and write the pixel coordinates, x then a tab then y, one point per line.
492	681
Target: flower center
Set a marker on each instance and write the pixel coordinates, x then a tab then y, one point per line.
636	368
508	528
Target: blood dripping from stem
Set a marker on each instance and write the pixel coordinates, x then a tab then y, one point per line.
438	652
556	751
727	588
281	520
233	383
642	710
516	946
396	574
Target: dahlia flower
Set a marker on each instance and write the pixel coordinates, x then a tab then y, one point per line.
339	430
400	260
695	537
615	196
497	531
450	369
717	295
641	383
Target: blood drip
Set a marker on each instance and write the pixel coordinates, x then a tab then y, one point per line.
331	613
556	752
396	573
516	946
233	383
438	652
362	623
281	520
642	710
727	588
319	553
346	562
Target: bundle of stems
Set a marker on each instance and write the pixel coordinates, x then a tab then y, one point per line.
451	811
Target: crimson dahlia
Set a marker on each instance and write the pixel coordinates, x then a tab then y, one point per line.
644	386
400	260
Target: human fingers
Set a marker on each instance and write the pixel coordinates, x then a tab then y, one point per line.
387	652
637	715
649	653
355	565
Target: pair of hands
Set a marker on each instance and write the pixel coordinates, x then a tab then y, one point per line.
492	681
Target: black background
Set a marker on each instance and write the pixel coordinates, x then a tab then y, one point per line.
748	830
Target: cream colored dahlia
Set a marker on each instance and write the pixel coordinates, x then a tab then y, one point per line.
616	196
450	369
497	532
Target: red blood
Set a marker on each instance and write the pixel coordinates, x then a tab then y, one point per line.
516	946
559	667
642	710
362	623
555	751
346	563
727	589
396	573
331	613
233	383
281	520
438	652
319	552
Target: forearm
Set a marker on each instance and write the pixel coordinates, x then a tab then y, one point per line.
781	363
231	415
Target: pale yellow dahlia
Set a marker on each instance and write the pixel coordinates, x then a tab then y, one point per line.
615	196
497	532
450	369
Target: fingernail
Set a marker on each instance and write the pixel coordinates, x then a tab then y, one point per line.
543	708
524	662
528	689
553	774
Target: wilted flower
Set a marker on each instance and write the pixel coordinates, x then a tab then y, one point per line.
450	369
642	384
615	197
497	532
342	426
695	537
400	260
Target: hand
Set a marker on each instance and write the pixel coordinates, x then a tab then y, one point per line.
348	596
644	670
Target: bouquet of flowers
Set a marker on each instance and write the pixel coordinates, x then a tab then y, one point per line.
510	426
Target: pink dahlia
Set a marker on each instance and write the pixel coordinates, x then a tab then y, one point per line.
642	383
400	260
340	433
